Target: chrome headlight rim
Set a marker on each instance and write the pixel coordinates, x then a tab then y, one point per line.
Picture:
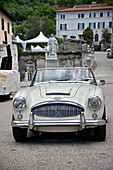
94	100
19	101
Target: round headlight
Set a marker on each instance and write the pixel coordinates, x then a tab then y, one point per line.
94	102
19	103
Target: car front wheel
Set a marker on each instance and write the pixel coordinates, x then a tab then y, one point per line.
100	133
19	134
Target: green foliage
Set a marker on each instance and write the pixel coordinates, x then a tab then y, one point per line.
20	51
62	3
67	2
109	2
46	10
72	36
32	16
20	30
71	3
72	40
60	41
21	10
106	36
3	4
88	34
35	24
79	56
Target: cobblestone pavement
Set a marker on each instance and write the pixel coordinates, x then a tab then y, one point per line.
60	152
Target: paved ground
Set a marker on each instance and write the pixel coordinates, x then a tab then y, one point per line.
60	152
25	83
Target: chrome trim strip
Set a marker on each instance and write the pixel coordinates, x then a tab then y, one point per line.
18	123
106	119
31	121
82	120
24	123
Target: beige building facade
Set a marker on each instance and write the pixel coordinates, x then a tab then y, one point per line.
5	27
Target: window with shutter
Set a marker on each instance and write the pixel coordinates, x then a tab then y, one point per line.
110	24
101	14
78	26
60	26
8	28
89	25
83	25
94	24
2	23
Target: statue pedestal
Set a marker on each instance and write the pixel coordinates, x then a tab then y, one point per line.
52	63
52	56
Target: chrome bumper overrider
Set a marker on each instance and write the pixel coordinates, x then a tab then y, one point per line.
82	122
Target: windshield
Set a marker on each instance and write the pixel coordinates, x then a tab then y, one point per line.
63	74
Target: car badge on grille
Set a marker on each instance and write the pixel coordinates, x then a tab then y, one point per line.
57	98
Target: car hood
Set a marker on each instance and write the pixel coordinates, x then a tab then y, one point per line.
73	92
67	90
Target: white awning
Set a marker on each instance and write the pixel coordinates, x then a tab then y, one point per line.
37	48
17	40
39	39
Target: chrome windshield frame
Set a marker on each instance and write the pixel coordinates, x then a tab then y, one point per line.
33	80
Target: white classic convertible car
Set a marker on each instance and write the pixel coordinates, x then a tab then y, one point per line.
60	100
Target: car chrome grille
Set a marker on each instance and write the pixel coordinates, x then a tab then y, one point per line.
57	110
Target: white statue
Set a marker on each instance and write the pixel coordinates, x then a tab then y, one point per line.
53	45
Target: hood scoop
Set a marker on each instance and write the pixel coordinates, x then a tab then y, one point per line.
66	90
58	93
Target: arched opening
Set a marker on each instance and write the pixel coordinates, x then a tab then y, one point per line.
96	37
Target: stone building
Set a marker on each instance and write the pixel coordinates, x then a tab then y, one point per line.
73	21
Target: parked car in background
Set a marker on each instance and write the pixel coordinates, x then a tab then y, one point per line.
109	55
108	49
60	100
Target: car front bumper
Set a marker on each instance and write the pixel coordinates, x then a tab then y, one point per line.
82	122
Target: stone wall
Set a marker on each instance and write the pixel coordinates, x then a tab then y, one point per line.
65	59
14	54
70	46
38	60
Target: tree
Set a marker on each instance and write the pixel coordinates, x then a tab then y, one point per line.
88	34
106	36
32	26
62	2
48	26
46	10
35	24
3	4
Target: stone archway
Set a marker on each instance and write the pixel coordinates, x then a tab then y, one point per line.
29	69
